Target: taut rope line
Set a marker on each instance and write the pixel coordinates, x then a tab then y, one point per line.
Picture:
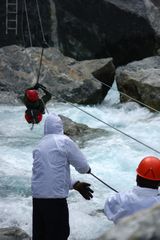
109	125
104	183
28	25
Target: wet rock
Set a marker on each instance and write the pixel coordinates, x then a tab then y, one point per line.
142	225
81	132
9	98
141	80
66	78
13	233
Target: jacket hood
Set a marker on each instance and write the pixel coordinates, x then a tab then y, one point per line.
53	124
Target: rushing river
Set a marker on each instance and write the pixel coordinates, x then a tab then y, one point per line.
112	158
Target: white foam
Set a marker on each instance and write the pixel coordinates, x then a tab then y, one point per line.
113	159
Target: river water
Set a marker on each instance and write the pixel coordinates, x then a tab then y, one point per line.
113	159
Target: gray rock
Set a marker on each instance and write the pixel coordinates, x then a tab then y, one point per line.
66	78
143	225
81	132
9	98
13	233
141	80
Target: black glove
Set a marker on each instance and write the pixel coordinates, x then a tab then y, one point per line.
84	189
38	85
89	171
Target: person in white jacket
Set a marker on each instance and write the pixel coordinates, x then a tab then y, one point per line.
142	196
51	181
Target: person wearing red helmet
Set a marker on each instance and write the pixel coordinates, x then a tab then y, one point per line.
32	95
34	104
142	196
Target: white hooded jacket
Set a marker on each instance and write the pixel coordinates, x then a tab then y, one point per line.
52	158
124	204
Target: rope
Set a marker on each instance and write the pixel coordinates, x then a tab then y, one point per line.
29	31
40	65
22	22
109	125
44	106
28	25
41	26
44	42
104	182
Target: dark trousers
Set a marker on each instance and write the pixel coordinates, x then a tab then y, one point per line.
50	219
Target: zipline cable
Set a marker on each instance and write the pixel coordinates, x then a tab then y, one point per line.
41	26
103	182
29	32
109	125
40	65
28	25
43	37
22	22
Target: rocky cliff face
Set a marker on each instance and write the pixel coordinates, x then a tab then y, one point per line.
140	80
67	79
90	29
125	30
22	38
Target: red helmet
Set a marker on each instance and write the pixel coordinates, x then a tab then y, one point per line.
32	95
149	168
29	118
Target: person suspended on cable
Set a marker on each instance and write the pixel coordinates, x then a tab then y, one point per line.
34	103
142	196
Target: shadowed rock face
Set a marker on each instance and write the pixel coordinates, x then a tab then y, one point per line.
156	3
22	38
105	28
89	29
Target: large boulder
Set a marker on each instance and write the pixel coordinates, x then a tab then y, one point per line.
140	80
125	30
144	225
81	132
66	78
13	233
